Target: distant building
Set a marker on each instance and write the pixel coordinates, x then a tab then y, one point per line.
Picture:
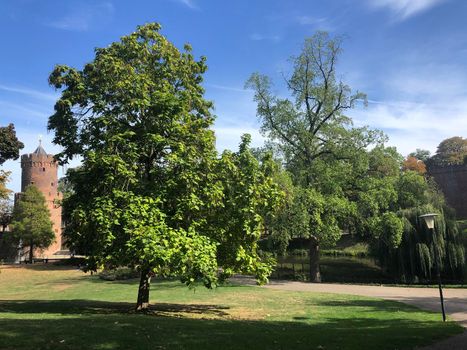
40	169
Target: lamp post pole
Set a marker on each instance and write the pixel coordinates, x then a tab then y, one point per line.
430	223
438	273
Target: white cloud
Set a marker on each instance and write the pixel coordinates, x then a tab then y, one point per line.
427	105
188	3
403	9
30	92
80	18
261	37
227	88
23	112
321	23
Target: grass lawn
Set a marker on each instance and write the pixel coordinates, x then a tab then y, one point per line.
50	307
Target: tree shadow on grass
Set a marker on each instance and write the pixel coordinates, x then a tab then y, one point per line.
89	324
97	307
368	305
41	267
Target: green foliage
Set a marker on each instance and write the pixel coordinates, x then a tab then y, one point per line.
450	151
309	214
6	212
321	149
31	222
151	192
412	189
311	124
249	196
420	248
390	229
119	273
421	154
9	149
336	181
9	144
133	231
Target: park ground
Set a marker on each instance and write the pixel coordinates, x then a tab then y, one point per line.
54	307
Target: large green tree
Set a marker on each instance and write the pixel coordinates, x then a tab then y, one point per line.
31	225
151	187
310	129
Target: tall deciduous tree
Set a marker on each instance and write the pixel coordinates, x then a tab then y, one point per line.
151	185
451	151
311	125
31	224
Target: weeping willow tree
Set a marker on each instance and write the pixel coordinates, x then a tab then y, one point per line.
414	258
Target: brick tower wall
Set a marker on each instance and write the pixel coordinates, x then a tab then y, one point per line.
452	180
41	171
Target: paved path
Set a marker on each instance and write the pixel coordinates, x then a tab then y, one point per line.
455	301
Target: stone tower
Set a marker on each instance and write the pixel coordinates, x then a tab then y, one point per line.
40	169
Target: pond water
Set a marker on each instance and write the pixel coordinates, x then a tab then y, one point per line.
333	269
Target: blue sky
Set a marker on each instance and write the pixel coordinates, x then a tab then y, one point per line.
409	56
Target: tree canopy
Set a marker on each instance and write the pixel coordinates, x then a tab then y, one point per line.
414	164
338	177
31	225
311	132
9	143
451	151
9	149
151	189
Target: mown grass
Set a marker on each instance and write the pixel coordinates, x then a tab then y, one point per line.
61	308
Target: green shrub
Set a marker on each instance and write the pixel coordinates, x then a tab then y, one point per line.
119	273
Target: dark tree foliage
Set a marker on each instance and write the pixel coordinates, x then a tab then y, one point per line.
421	154
9	143
9	149
415	258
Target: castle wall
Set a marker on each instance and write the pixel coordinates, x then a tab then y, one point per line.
452	180
41	170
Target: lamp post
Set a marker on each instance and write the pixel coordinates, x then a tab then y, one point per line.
430	223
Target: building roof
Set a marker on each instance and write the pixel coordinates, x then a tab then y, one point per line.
40	150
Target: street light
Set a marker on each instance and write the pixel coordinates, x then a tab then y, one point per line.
430	223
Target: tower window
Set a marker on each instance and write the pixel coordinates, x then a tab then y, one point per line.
32	182
51	184
43	169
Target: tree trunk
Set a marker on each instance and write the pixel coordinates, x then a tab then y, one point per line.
315	275
142	304
31	252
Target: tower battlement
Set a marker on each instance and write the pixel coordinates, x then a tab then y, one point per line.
39	158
